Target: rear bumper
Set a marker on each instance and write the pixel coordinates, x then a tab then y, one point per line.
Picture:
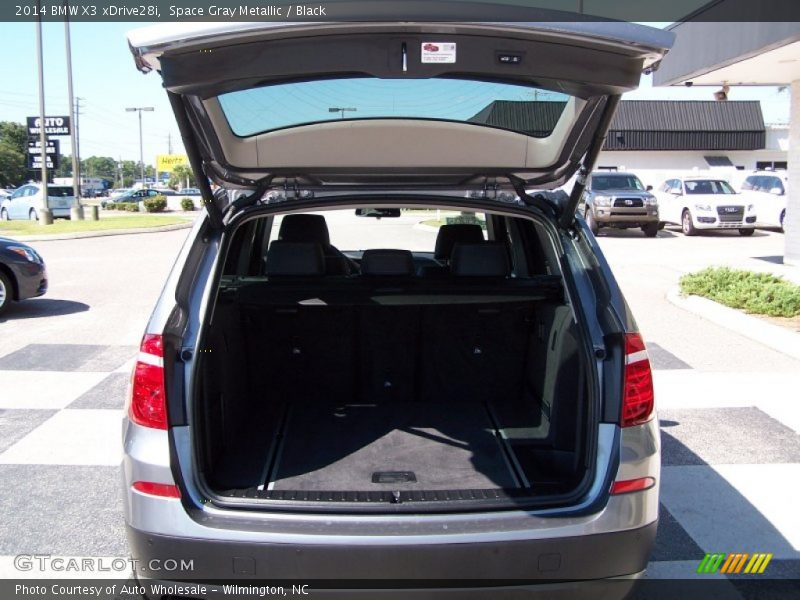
342	565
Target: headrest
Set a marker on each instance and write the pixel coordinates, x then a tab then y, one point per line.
487	259
304	228
295	259
450	235
397	263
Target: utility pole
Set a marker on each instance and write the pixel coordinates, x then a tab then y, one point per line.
139	109
76	212
78	129
45	216
169	143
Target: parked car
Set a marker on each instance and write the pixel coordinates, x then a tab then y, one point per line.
701	202
131	196
768	190
117	192
22	273
189	192
26	202
619	200
313	404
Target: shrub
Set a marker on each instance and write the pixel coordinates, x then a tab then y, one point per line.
155	204
466	219
129	206
187	204
759	293
111	206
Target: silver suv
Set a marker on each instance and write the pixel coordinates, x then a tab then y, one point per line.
388	363
620	200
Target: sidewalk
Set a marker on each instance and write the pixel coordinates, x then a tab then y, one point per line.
773	336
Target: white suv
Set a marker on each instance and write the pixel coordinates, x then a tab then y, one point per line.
768	192
707	202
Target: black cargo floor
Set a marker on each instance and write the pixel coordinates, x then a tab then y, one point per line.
397	446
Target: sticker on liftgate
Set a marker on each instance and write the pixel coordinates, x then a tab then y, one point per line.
438	52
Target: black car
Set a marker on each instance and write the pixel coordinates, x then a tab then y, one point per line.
22	273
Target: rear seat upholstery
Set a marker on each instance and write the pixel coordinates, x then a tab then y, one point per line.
368	350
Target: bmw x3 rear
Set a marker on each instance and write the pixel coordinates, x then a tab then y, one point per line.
389	354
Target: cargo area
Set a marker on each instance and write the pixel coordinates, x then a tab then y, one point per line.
396	398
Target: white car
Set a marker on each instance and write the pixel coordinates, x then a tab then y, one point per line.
698	203
26	202
768	190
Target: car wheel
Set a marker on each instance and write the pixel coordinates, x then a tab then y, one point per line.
687	226
783	214
6	292
591	222
3	215
33	215
651	229
746	232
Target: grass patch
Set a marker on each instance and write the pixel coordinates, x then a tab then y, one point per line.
105	223
434	223
758	293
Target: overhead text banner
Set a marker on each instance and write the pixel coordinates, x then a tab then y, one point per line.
153	11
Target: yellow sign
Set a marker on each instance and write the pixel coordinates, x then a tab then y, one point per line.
166	162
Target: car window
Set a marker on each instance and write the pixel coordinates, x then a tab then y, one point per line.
616	182
18	193
708	186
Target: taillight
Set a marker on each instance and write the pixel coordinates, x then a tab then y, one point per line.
148	400
632	485
164	490
637	395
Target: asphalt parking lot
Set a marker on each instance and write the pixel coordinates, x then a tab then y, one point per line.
728	406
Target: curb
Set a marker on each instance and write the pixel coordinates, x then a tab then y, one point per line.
90	234
773	336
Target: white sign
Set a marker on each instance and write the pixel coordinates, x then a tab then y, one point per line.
438	52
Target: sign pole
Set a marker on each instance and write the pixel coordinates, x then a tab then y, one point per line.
76	212
45	216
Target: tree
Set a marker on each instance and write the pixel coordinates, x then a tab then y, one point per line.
13	148
182	176
64	167
15	135
13	169
99	166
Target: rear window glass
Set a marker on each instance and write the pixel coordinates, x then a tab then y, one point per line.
415	229
518	108
56	190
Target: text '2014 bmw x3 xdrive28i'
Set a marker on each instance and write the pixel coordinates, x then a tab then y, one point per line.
388	355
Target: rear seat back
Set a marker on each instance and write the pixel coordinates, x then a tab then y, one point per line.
457	233
387	263
294	259
484	259
345	337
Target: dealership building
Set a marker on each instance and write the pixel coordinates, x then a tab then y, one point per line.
659	139
711	52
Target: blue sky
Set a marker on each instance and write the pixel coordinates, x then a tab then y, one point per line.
105	76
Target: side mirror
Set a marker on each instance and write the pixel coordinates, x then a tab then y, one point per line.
378	213
648	188
777	191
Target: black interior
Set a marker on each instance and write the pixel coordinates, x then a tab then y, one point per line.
388	380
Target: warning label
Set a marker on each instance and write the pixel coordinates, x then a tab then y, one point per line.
438	52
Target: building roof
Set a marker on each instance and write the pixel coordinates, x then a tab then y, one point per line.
648	124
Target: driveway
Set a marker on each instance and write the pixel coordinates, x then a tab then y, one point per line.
728	406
